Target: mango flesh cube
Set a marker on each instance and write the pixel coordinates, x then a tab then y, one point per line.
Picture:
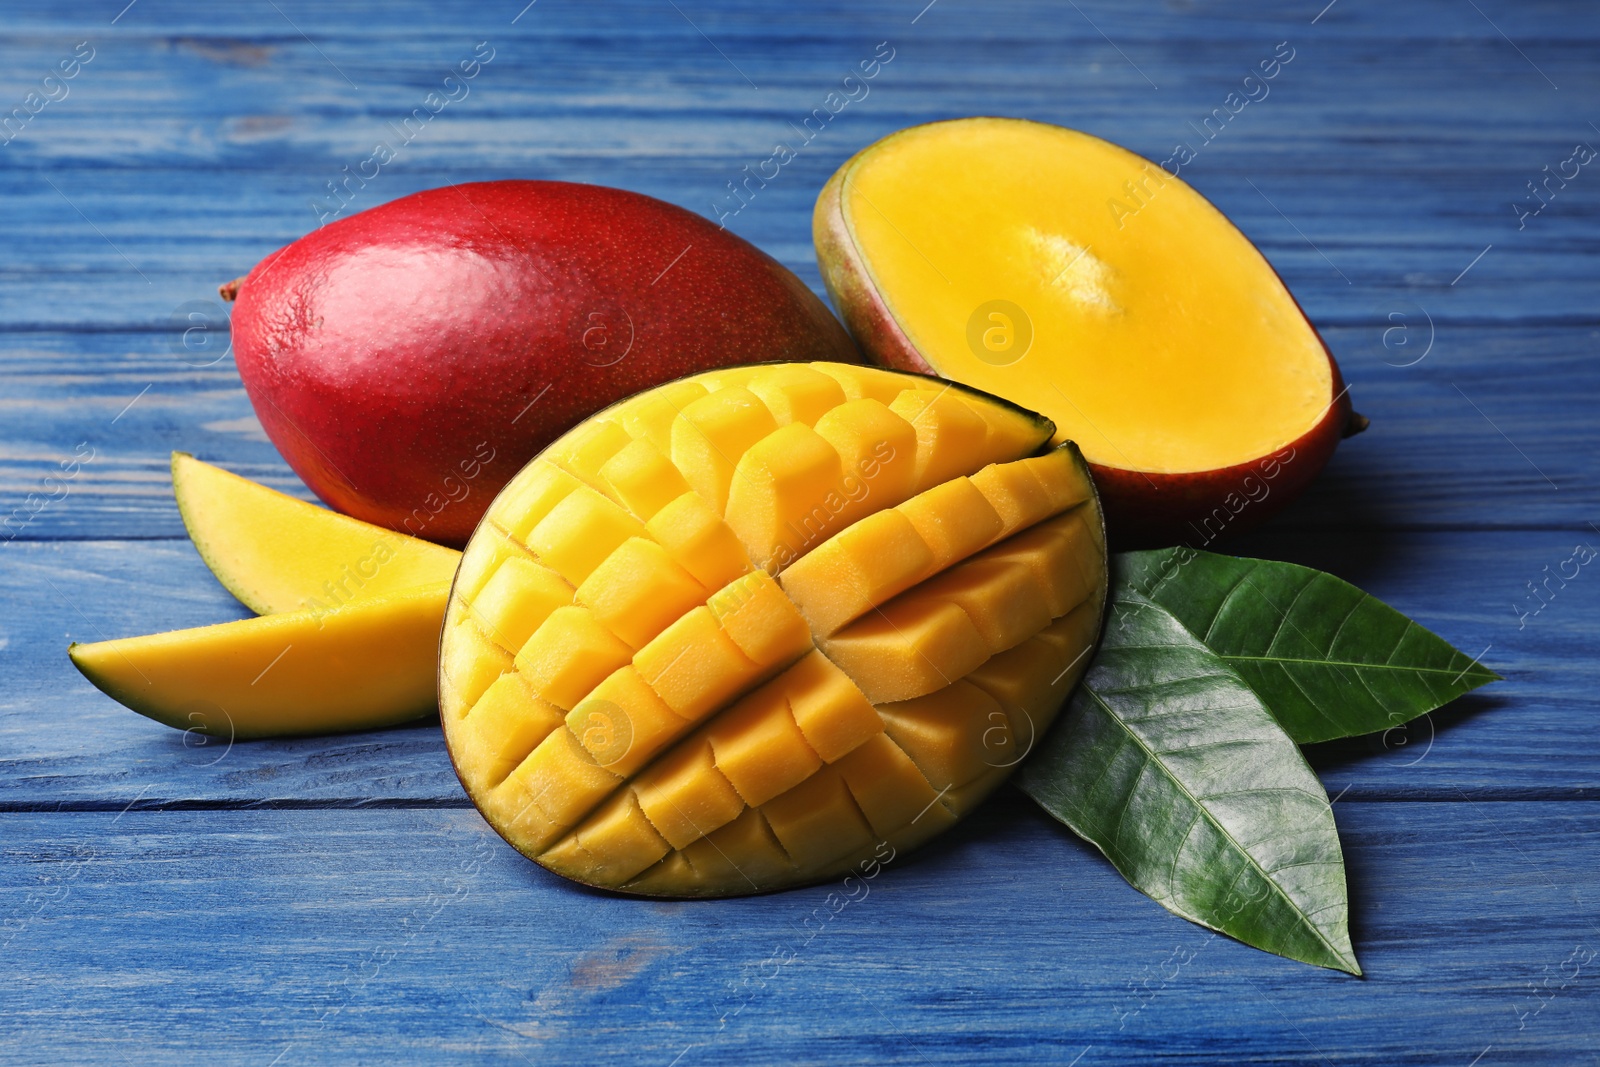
650	415
963	799
1052	550
471	662
768	623
818	820
759	748
623	723
908	649
954	519
586	450
580	532
757	617
797	393
954	735
787	491
1015	493
552	789
1013	680
517	599
832	712
638	591
950	435
612	846
712	434
643	479
877	449
1065	481
700	542
506	724
531	495
761	860
695	666
871	382
1012	431
490	548
861	568
741	377
1072	637
1001	598
685	797
569	654
887	785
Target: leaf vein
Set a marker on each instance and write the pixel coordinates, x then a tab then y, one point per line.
1223	830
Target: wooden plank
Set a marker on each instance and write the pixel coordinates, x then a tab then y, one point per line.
419	937
172	171
65	743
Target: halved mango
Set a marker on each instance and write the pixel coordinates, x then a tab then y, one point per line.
1058	270
847	535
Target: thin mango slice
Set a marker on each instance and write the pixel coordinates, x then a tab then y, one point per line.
276	553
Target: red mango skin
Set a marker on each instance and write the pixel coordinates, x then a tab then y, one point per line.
1195	508
409	359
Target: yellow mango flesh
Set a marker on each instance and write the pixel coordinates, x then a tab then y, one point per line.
276	553
360	667
771	619
1134	315
349	635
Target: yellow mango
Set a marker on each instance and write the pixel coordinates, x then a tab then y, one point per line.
638	591
276	553
568	655
517	599
351	616
360	667
580	532
643	479
816	612
1066	273
585	451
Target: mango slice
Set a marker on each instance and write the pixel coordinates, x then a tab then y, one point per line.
360	667
351	621
770	619
276	553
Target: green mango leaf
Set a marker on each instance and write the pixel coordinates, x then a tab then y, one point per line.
1167	762
1326	658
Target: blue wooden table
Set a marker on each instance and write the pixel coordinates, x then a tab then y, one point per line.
338	899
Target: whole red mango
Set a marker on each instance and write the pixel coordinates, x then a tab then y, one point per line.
408	360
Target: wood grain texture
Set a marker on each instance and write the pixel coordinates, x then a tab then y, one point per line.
369	915
418	937
1394	143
